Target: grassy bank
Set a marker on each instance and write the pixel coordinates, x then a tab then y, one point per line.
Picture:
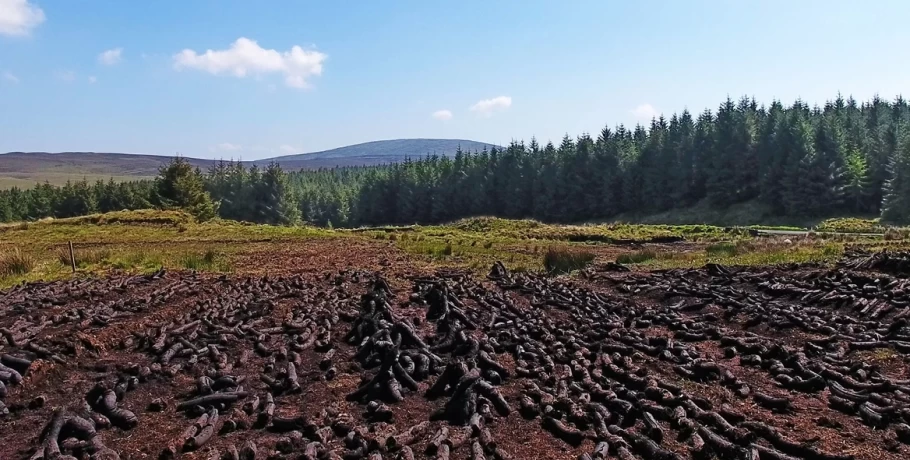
144	241
146	226
758	216
743	253
133	241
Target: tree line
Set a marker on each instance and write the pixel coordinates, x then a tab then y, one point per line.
228	190
842	158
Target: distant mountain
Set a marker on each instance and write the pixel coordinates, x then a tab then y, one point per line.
377	152
24	169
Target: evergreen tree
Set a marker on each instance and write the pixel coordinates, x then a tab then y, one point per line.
855	179
273	200
75	199
841	158
896	202
179	185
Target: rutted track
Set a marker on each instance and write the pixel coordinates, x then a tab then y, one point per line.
740	364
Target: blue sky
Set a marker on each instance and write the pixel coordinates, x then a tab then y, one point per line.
293	76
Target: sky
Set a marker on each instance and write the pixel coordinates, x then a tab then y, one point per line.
257	79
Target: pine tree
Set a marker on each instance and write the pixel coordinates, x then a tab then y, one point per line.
606	160
546	185
273	200
772	158
855	179
179	185
896	192
796	191
703	144
75	199
682	146
6	210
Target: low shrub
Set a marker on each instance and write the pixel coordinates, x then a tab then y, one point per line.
565	260
16	263
636	257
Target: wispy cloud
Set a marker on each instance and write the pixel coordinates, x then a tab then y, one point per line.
8	76
92	79
19	17
644	112
487	107
245	57
442	115
111	56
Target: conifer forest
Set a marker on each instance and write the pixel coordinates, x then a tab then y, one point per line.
843	158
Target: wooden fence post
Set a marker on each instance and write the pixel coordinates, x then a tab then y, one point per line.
72	257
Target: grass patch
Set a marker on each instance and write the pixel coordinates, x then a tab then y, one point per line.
84	257
725	249
141	227
883	354
466	253
740	253
565	260
897	234
16	263
141	260
789	228
206	261
152	217
850	225
636	257
493	230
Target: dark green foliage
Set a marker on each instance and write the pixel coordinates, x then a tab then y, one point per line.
262	196
840	159
797	160
180	185
77	199
896	205
73	199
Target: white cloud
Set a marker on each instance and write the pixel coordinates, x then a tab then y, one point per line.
442	115
92	79
66	75
19	17
245	57
8	76
285	148
111	56
486	107
225	147
645	112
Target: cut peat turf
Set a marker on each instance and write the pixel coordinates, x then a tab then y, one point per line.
379	359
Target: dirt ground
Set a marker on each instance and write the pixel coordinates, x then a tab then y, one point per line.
607	357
